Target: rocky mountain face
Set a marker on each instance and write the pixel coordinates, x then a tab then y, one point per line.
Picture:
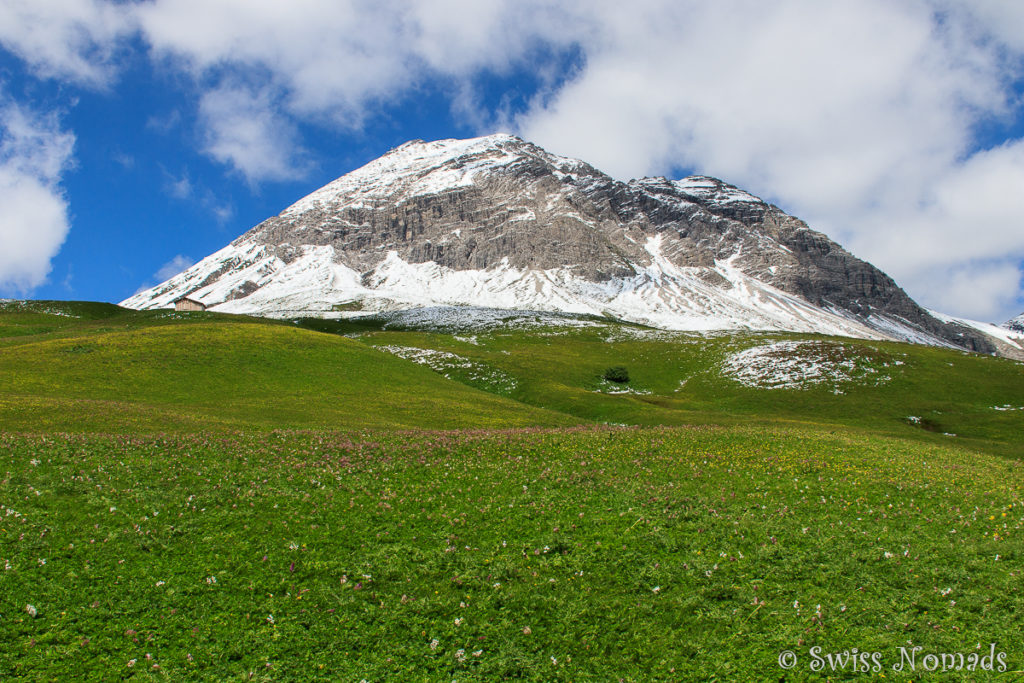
1016	324
498	222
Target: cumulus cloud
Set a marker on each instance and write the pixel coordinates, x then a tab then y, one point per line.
34	152
73	39
245	131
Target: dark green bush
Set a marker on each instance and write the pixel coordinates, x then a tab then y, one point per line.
617	374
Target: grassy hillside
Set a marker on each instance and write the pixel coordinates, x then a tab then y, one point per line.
636	554
210	497
904	390
161	371
79	366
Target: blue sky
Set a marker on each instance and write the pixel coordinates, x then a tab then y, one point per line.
138	137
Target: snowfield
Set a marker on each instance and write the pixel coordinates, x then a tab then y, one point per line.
803	364
454	366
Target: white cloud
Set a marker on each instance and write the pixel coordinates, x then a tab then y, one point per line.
34	152
974	290
244	130
176	265
73	39
328	62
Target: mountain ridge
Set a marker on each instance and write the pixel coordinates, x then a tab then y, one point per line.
500	222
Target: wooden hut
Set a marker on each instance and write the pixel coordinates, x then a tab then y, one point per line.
186	304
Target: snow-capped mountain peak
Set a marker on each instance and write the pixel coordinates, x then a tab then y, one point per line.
499	222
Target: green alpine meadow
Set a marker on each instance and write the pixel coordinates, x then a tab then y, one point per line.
210	497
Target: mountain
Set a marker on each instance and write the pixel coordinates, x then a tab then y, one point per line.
1016	324
498	222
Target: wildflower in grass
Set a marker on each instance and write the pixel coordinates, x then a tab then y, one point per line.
458	621
34	462
434	643
656	589
527	631
554	662
42	561
270	620
32	612
460	655
160	583
477	653
211	580
131	662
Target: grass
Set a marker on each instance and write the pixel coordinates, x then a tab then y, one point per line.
144	373
210	497
587	554
678	379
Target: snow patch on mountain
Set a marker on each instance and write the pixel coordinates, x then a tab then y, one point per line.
1006	335
454	366
801	365
310	281
420	168
1015	325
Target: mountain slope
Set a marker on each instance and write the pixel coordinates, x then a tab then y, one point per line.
499	222
1015	324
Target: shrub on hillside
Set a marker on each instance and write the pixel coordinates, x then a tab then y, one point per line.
617	374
